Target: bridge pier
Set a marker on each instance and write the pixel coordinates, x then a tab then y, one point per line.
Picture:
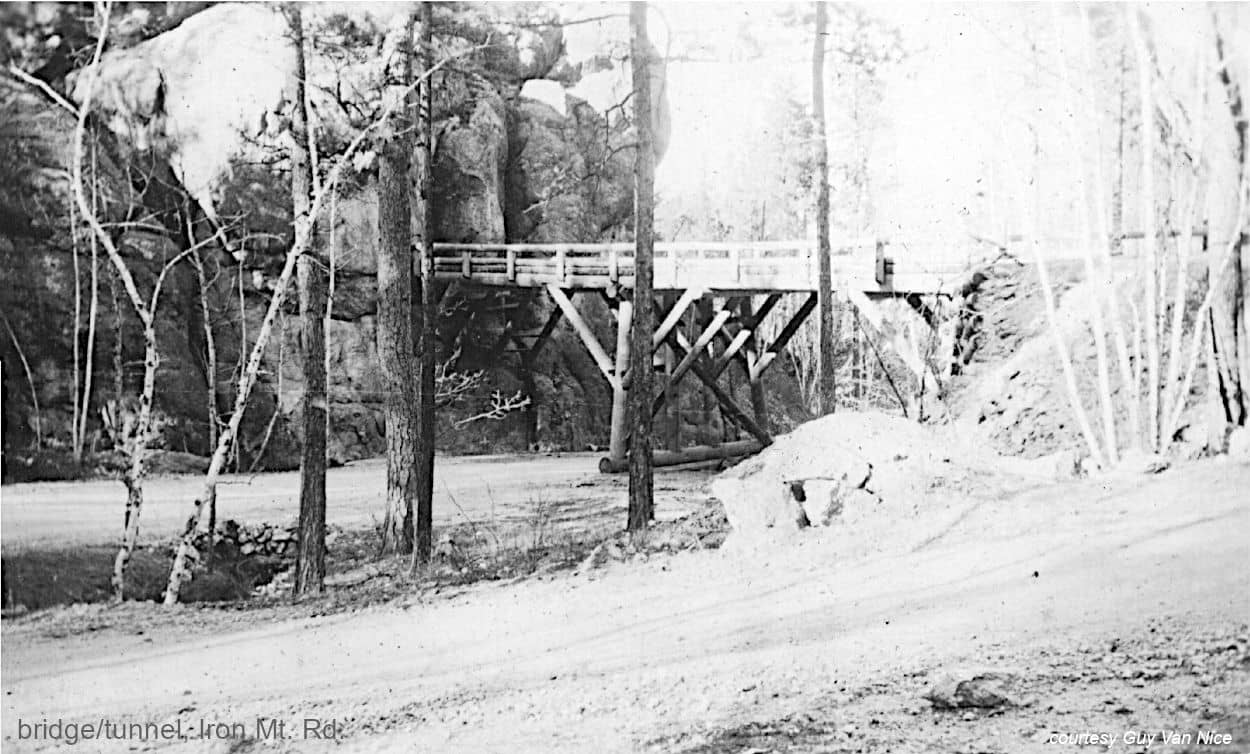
618	448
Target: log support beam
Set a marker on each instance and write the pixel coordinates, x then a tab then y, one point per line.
604	362
778	345
618	446
750	322
731	408
696	454
721	336
529	351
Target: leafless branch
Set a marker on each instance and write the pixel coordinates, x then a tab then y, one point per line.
43	86
500	407
30	380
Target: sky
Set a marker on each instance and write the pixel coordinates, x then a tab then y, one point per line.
937	136
989	98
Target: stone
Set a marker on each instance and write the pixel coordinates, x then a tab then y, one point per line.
823	499
760	505
1239	445
1140	462
1189	442
961	689
831	463
469	169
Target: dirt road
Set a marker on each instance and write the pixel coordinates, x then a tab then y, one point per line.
661	655
479	487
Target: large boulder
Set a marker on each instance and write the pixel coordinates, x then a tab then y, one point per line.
38	302
568	179
469	169
199	100
200	94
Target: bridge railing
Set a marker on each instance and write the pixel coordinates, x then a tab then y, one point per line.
769	265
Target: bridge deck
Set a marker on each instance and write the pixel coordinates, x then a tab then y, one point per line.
740	267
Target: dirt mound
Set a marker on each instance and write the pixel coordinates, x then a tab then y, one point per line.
868	474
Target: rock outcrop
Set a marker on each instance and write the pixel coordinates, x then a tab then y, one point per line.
202	108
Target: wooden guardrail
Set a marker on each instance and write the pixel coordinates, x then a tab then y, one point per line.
755	266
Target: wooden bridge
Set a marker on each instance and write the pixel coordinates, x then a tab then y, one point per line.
738	268
720	293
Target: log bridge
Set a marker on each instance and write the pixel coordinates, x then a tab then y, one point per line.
711	301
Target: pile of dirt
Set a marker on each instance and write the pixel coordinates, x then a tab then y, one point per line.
867	474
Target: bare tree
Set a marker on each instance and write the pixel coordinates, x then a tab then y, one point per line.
641	490
210	357
1229	322
310	560
132	430
180	573
1098	325
82	400
1150	260
30	381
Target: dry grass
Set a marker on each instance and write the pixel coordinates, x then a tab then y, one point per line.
35	578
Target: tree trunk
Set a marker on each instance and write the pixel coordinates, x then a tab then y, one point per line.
75	329
1150	260
147	315
1228	307
180	571
310	558
93	315
641	489
423	533
119	368
827	392
1087	229
395	321
138	449
1117	193
210	370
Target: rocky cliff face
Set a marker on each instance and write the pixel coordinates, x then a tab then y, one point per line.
194	120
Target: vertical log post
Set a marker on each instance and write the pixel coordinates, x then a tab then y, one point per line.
759	404
618	441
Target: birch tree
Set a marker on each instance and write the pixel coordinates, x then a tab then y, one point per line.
1229	318
184	557
132	430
